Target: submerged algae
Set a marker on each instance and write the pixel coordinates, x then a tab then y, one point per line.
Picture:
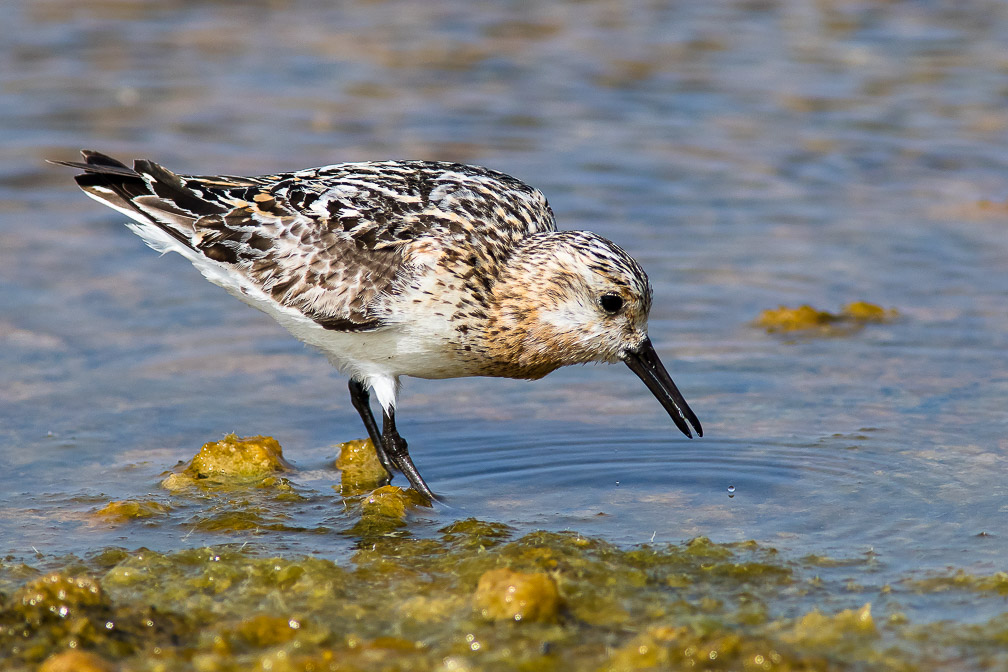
122	511
391	501
407	603
996	583
62	610
474	597
238	484
76	661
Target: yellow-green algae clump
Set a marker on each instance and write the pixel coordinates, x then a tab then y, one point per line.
408	603
996	583
122	511
385	509
503	594
76	661
232	461
360	468
807	319
58	596
392	501
239	483
71	610
363	478
240	458
817	629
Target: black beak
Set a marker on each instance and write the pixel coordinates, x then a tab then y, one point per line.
645	363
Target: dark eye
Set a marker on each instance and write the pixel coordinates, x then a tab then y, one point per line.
611	303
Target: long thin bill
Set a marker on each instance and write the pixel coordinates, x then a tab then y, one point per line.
645	363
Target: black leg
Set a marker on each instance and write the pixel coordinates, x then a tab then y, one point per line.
361	400
396	449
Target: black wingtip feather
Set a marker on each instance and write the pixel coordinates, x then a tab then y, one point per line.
95	158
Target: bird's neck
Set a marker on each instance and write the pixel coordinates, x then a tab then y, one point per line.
522	332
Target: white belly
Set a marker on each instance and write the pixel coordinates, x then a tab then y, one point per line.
417	348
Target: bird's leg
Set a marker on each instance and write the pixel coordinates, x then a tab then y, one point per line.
361	400
397	451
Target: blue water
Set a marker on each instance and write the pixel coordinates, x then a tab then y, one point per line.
749	154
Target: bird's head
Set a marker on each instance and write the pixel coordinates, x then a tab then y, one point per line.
573	297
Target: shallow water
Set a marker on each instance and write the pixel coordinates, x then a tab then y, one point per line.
750	154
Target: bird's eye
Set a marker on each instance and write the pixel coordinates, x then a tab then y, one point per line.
611	303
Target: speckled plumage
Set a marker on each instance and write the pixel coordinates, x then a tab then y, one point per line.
393	268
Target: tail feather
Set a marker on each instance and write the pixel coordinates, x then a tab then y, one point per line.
172	213
96	162
147	193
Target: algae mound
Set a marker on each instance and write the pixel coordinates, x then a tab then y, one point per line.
503	595
234	457
360	468
122	511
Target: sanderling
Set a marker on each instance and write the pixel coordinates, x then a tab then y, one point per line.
402	268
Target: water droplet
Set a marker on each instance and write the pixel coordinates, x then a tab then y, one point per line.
731	491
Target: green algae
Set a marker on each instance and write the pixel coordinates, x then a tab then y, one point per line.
73	660
505	595
65	610
235	484
441	603
475	534
385	510
123	511
996	583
